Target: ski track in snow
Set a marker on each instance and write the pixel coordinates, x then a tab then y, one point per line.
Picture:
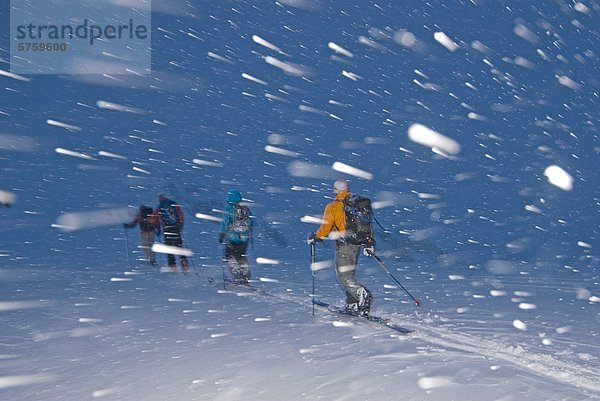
539	364
535	363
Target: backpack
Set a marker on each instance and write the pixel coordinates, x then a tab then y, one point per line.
240	221
147	219
359	220
170	214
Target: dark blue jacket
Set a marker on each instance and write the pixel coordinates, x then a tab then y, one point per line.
170	214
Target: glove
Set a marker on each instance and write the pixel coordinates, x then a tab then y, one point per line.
369	250
221	238
312	238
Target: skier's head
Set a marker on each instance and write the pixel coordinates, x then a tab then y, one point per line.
233	196
162	197
340	185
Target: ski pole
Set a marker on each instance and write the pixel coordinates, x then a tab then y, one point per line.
312	268
127	247
223	261
190	258
380	226
416	302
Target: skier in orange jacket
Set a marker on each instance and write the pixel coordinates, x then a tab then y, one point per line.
358	298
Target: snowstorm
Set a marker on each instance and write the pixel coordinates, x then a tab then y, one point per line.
168	200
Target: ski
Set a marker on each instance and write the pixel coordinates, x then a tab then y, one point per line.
371	318
229	285
226	282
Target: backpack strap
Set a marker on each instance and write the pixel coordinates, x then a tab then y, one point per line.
179	214
343	202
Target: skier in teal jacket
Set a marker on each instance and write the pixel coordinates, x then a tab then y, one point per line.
236	232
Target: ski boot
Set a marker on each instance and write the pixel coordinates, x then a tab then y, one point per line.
351	308
364	302
184	265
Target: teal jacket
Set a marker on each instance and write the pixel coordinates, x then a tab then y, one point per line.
233	198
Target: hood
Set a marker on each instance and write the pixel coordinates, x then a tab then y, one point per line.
233	196
342	194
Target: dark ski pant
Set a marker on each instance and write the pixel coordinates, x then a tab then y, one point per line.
346	256
236	259
172	237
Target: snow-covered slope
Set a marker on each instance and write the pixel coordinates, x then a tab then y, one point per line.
120	334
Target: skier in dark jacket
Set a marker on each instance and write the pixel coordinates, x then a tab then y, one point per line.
236	232
172	221
149	227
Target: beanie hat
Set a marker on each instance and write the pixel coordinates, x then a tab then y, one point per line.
340	185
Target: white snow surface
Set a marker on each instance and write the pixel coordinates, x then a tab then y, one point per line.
115	333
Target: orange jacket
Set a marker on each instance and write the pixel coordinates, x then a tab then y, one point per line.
334	218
